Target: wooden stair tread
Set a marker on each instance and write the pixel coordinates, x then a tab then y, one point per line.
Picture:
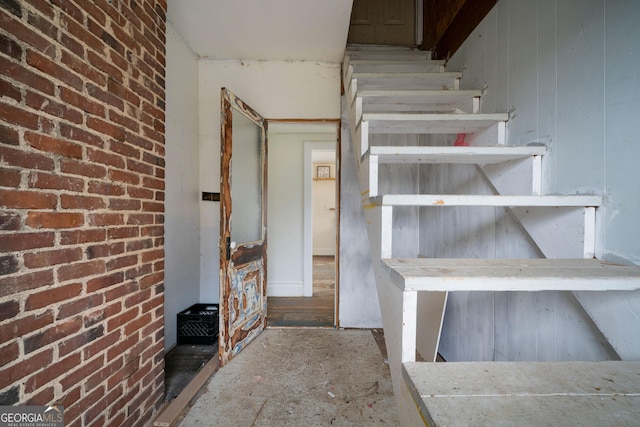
526	393
405	66
571	200
449	154
536	274
407	81
381	101
438	123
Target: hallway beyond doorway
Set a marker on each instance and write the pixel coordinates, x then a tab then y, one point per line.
315	311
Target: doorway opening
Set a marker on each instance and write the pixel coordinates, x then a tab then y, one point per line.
303	224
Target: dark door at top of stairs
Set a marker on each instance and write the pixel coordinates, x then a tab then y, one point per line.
383	22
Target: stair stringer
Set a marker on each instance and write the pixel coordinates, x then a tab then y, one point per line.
572	235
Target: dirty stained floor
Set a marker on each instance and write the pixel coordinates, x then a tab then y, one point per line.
300	377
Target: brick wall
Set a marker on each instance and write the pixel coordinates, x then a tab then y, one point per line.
81	207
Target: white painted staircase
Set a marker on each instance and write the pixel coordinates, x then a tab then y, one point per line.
392	97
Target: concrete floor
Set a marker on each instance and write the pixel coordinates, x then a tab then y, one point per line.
300	377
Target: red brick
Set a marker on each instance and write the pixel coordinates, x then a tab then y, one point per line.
78	376
10	178
151	280
119	263
9	353
124	205
15	284
50	258
122	233
25	367
44	25
82	102
118	321
82	236
24	33
138	271
81	67
19	116
124	120
51	372
24	325
78	32
153	207
10	48
105	250
104	96
24	241
23	75
138	245
99	315
103	374
44	7
54	108
81	202
102	219
100	345
139	167
126	177
106	128
154	160
43	398
105	188
69	9
158	184
80	135
124	93
9	90
152	255
78	306
8	310
103	65
139	219
152	134
75	167
72	44
105	158
125	149
54	70
137	298
105	281
10	221
80	340
52	296
9	264
152	304
160	197
17	199
153	231
9	136
55	182
54	220
80	270
138	141
52	334
20	158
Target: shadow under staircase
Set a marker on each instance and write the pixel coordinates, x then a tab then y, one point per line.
393	96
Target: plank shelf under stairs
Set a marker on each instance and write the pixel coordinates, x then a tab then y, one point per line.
414	290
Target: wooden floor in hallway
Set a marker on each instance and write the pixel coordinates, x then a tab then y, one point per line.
315	311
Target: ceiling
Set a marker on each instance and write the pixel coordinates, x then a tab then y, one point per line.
289	30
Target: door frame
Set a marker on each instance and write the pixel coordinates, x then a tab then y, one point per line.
338	147
309	147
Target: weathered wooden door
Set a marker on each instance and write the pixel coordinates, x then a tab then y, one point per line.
383	22
243	226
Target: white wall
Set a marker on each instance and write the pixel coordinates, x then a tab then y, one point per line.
276	89
567	73
182	217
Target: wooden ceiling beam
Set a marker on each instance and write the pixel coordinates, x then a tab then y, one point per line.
447	24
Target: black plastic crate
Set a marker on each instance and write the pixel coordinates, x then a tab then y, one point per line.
198	324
